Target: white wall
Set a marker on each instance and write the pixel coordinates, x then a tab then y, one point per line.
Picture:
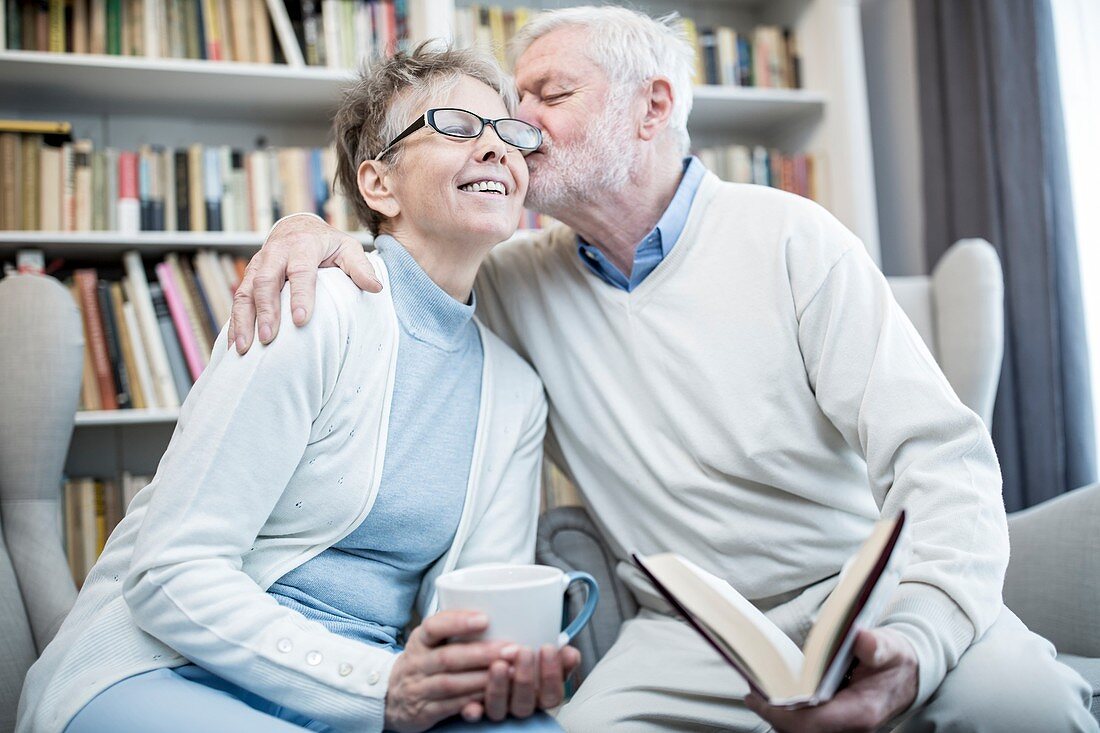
890	54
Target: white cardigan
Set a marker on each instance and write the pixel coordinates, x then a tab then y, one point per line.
277	456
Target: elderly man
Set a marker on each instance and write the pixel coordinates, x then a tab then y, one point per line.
729	377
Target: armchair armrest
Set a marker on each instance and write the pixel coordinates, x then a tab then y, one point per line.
1053	578
568	540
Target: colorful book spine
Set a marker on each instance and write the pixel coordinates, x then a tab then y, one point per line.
130	341
86	282
176	363
138	292
129	204
174	297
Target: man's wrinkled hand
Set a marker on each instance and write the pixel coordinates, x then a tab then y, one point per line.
883	684
294	250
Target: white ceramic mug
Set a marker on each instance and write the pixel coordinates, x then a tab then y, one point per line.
523	602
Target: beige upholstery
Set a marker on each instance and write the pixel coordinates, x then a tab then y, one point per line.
959	312
41	356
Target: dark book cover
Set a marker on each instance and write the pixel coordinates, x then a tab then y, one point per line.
213	216
14	29
183	192
114	27
200	29
114	348
156	189
744	60
708	45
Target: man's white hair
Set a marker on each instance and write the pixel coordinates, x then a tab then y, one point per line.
632	48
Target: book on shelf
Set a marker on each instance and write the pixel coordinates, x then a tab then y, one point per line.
341	34
212	30
333	33
765	56
91	509
772	665
798	173
75	186
147	341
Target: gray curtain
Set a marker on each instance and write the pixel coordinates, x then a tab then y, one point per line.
994	160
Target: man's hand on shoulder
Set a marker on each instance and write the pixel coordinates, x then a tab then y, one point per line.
295	248
884	684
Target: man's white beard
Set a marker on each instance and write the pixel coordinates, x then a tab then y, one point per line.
571	175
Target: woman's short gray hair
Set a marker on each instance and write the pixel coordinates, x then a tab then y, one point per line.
631	48
386	98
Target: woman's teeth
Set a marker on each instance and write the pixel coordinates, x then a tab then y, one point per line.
484	186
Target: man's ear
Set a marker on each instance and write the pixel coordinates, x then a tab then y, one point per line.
374	186
658	97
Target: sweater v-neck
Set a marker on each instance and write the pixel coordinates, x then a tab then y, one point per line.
636	298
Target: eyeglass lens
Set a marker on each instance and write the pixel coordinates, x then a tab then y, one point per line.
460	123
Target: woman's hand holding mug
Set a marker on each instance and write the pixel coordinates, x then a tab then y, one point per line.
524	605
432	679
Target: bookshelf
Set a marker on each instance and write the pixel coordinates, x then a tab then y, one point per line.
126	102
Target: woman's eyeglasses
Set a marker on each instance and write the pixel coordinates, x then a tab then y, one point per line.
463	124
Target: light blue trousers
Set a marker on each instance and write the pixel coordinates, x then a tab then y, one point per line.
188	699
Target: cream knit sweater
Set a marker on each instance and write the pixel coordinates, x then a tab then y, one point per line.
755	404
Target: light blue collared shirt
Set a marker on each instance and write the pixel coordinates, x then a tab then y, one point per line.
656	245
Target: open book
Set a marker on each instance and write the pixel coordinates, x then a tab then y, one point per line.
768	660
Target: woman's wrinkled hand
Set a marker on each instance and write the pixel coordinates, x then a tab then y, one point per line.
524	681
432	679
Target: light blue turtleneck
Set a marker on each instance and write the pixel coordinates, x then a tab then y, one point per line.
365	585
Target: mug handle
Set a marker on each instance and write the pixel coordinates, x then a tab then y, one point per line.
590	602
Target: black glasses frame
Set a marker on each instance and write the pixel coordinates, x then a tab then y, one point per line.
428	118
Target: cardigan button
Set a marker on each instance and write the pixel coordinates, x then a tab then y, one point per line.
345	669
284	646
313	658
373	679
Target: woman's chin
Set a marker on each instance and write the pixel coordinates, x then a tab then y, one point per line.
487	233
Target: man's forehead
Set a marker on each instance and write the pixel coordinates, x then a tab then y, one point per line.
571	67
543	76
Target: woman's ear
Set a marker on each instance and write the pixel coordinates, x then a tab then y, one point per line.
374	187
658	100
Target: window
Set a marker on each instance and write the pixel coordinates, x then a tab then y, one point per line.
1075	23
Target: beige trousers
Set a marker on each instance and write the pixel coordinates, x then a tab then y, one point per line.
660	676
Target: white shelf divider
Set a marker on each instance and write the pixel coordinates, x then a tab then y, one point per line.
118	418
151	243
121	85
136	85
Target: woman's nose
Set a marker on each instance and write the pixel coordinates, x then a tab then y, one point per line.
490	146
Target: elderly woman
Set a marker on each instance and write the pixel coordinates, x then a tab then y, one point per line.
314	489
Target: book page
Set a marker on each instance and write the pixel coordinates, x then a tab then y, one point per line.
770	657
848	599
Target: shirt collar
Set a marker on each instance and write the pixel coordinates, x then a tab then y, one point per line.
660	240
